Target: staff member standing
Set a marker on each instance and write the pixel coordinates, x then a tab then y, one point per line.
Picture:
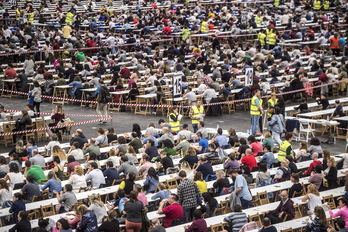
174	120
196	114
285	148
256	111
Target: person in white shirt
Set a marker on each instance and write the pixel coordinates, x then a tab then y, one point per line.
54	142
264	86
95	175
201	86
209	93
77	179
189	95
75	151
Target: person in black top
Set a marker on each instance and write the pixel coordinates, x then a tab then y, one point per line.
303	107
292	165
166	162
323	101
243	146
133	92
112	224
266	226
103	98
221	183
204	167
296	187
338	111
23	224
21	123
111	134
151	150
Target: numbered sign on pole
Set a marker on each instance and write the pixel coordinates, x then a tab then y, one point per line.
249	76
177	87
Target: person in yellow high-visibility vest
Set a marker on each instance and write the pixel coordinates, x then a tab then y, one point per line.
326	5
271	103
69	18
204	25
276	2
258	19
271	40
18	14
256	111
262	38
174	120
31	16
196	115
285	148
316	5
269	30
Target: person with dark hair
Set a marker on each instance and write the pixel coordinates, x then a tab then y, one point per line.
172	209
71	164
168	147
241	188
135	142
268	156
63	225
221	139
204	166
67	199
133	209
198	224
285	147
316	177
266	226
91	147
342	212
17	206
243	146
255	145
144	165
340	225
151	181
111	134
95	175
151	150
276	125
30	189
187	192
128	183
127	166
110	173
296	186
23	223
236	219
79	137
37	95
165	163
210	204
75	151
323	101
21	123
315	146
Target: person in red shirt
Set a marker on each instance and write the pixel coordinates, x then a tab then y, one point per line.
167	30
125	72
248	159
172	211
255	145
312	166
10	72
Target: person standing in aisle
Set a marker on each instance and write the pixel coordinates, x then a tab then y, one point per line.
256	111
196	114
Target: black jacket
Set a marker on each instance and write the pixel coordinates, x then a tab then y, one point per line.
81	139
21	226
22	122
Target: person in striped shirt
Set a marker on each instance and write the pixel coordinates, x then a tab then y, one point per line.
236	219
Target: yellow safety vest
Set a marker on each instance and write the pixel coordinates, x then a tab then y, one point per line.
254	110
271	39
18	14
276	2
282	150
269	31
204	27
196	113
317	5
69	17
271	103
31	17
175	126
261	38
258	20
326	5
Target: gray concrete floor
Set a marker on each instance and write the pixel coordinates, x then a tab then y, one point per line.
123	121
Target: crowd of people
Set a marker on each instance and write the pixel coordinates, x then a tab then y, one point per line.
211	46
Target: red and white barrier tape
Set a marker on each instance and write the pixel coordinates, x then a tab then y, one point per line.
56	127
179	106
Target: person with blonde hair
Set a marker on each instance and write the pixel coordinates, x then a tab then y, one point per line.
112	224
77	179
190	157
132	156
330	174
312	197
57	151
187	168
283	172
268	140
97	207
113	157
88	219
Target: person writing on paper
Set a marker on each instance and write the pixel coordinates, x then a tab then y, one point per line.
319	223
285	210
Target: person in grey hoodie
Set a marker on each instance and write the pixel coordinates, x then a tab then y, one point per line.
127	166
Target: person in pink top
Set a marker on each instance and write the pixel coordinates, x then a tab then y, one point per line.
145	164
255	145
342	212
141	196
